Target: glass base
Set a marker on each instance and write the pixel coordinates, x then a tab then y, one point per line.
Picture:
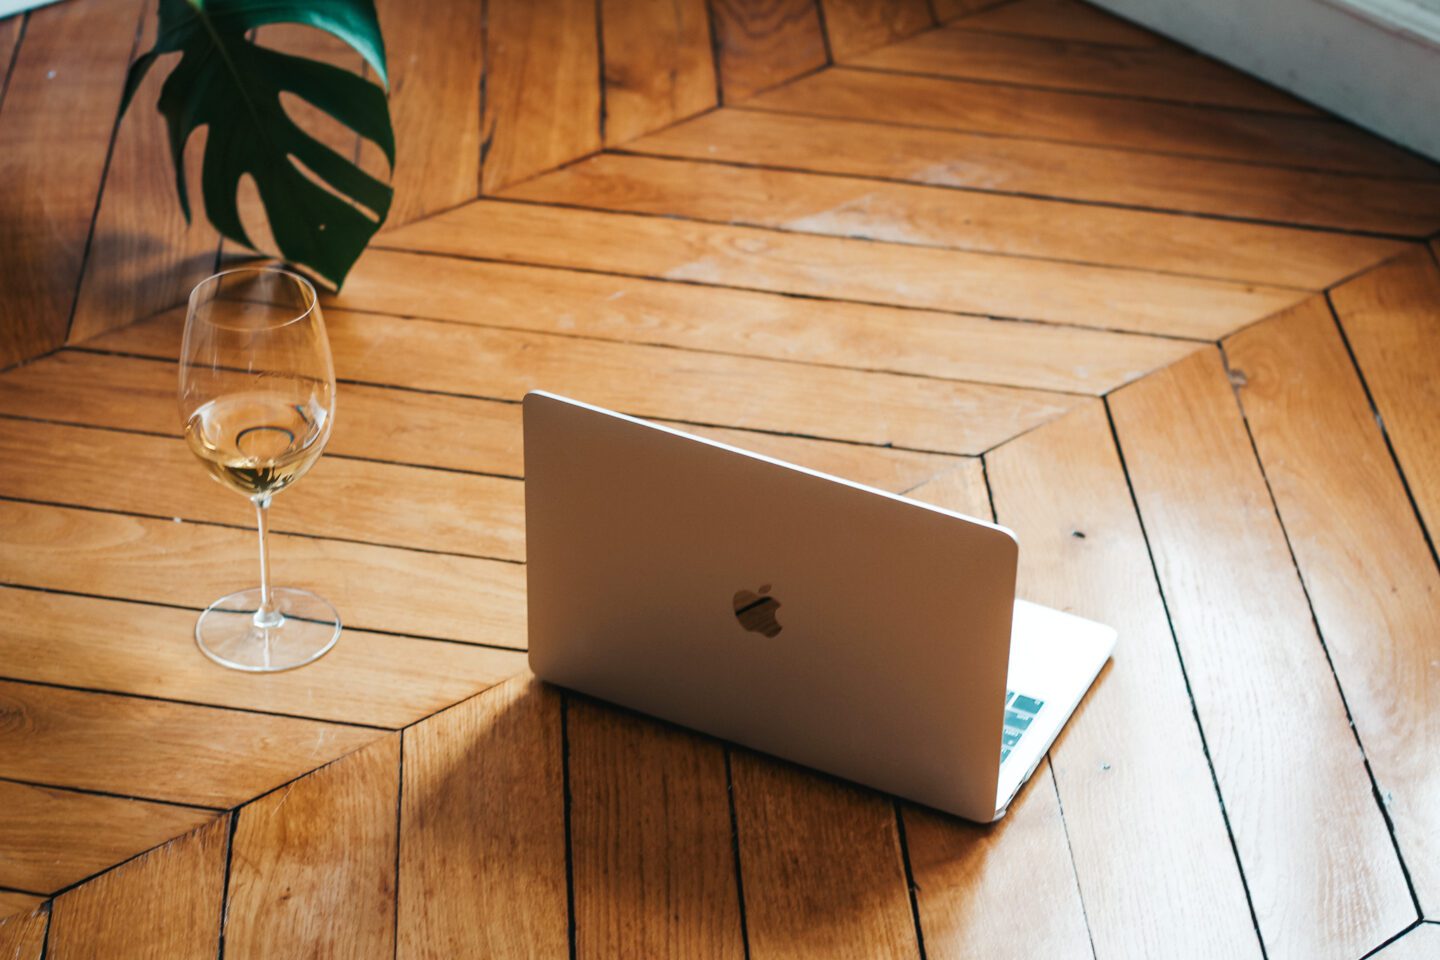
306	628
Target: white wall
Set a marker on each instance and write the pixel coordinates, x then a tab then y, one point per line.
1362	59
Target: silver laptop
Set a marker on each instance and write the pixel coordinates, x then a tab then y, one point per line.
864	634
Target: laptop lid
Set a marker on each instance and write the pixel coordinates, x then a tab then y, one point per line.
828	623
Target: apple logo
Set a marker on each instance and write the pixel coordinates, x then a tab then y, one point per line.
756	611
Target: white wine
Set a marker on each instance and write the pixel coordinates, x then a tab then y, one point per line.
259	442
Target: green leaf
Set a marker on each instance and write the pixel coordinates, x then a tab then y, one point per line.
232	86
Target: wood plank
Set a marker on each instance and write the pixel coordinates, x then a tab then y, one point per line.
12	903
542	87
961	488
1366	566
649	838
858	336
821	865
436	65
960	219
947	10
659	66
160	561
138	393
55	129
844	269
1388	316
1149	73
368	678
158	750
1030	167
428	429
1061	19
10	31
22	935
54	838
482	841
1133	745
313	867
827	403
1419	944
1002	890
1247	638
761	43
441	510
667	384
164	904
971	107
144	257
859	26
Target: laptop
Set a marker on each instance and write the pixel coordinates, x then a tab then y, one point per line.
861	633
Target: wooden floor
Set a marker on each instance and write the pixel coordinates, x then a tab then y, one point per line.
1177	329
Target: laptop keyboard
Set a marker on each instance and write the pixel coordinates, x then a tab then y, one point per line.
1020	710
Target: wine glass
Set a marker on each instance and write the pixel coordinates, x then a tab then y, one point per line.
257	394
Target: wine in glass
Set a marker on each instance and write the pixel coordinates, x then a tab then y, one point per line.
257	395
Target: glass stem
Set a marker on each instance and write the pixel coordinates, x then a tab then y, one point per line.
266	615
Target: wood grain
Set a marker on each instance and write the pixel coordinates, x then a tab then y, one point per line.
1061	19
947	10
961	488
55	128
164	904
542	87
761	43
1037	168
368	678
1363	556
1134	744
659	66
1205	132
649	838
138	393
22	935
472	515
1001	890
1149	73
160	561
428	429
158	750
821	864
858	26
313	867
482	830
1419	944
960	219
696	388
12	903
144	257
436	65
727	321
840	268
53	838
1389	319
10	30
1245	633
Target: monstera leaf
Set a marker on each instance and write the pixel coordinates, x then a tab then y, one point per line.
232	86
